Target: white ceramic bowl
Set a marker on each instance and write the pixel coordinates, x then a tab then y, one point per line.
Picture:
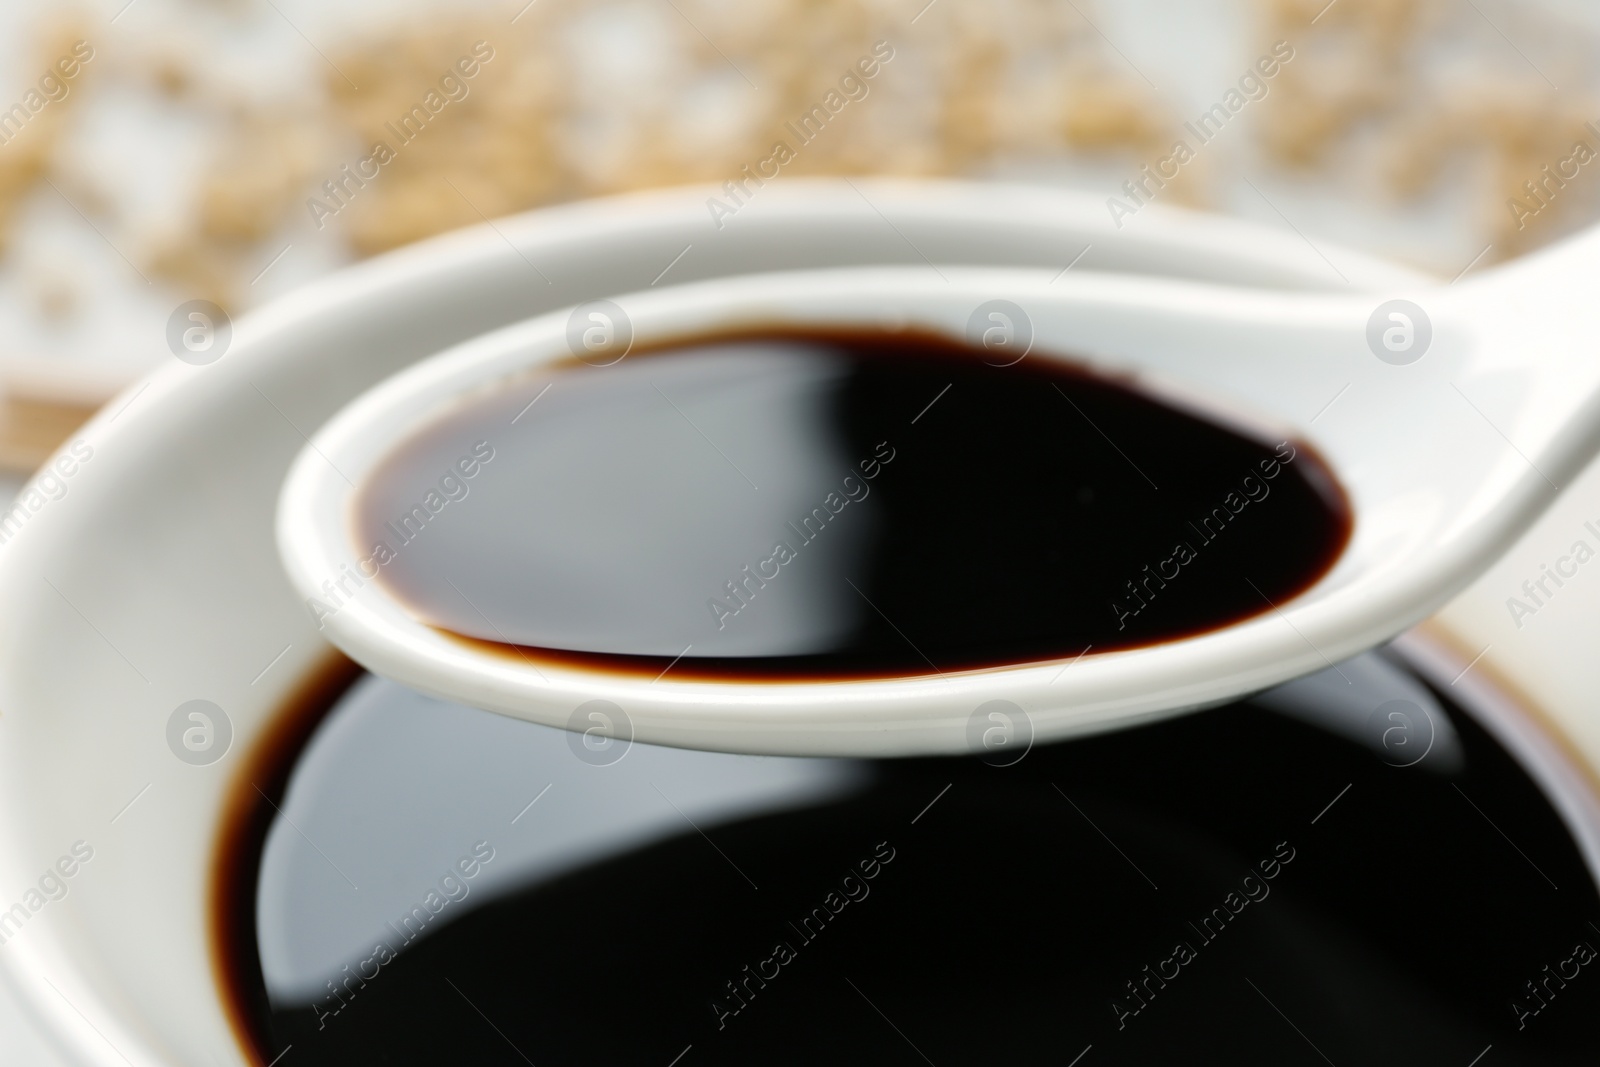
148	576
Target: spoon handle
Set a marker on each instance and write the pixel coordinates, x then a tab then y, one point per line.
1534	365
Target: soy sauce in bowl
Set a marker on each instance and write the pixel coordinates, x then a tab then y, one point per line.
1348	870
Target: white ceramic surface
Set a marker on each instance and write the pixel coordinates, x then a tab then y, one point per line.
1299	366
152	579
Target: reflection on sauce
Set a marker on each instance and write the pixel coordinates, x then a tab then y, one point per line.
245	822
837	505
1240	867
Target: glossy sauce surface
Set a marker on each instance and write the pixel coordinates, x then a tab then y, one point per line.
838	504
1346	866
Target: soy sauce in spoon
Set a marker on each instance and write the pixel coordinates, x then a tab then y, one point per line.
854	504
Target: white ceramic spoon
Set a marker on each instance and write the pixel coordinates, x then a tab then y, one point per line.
1452	420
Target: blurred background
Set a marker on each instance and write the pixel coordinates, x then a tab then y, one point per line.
187	154
154	152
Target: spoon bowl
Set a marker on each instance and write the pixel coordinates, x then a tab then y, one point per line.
1451	417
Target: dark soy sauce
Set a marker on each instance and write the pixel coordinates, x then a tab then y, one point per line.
852	504
1334	894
